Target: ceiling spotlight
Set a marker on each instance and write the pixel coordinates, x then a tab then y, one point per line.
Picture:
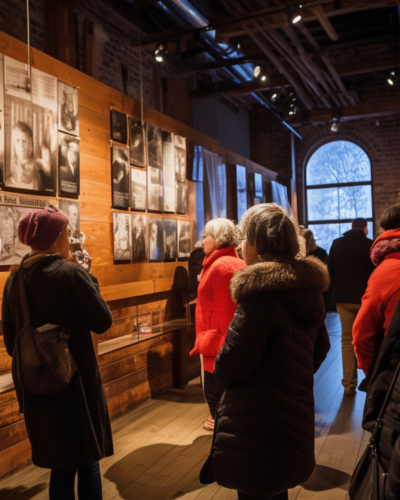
160	52
295	14
292	96
263	78
335	127
257	71
393	77
274	96
293	110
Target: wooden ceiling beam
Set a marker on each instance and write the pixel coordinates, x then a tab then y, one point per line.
320	14
231	88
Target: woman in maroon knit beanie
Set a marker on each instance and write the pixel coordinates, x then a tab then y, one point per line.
215	307
70	431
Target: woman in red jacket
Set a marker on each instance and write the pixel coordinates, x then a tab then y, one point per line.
215	307
382	294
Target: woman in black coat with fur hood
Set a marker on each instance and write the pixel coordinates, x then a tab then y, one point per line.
264	430
69	431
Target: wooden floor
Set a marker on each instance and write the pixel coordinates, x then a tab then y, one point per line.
160	446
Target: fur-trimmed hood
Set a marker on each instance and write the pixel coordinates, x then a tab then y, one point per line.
285	275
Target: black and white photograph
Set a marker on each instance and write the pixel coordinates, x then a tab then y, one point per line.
136	143
181	197
154	145
180	158
139	237
258	187
122	236
155	231
73	210
12	251
68	164
31	139
241	190
138	189
170	227
168	172
68	109
119	127
154	189
1	119
183	240
120	177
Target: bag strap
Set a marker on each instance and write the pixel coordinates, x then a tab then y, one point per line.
22	294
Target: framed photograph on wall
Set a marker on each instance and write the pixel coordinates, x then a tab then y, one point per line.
155	231
73	210
122	236
136	143
139	237
154	145
68	164
181	197
119	128
68	109
170	228
138	189
241	191
180	158
1	119
154	189
12	251
169	172
120	177
183	240
258	187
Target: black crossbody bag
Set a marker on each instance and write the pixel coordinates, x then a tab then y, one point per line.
41	364
369	479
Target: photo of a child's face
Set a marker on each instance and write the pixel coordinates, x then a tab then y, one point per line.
23	146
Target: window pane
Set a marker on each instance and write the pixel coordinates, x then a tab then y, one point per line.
338	162
324	234
258	187
241	190
339	203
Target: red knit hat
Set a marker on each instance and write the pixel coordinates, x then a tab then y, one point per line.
39	229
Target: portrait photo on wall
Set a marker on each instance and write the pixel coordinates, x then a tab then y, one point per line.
180	158
139	237
138	189
12	251
136	142
31	139
120	177
68	164
73	210
181	197
122	236
183	240
154	189
170	227
155	231
68	109
119	129
154	145
168	172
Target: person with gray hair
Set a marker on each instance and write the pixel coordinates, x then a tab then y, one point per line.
264	427
215	307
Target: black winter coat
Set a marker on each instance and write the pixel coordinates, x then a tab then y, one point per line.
264	430
71	428
382	375
350	266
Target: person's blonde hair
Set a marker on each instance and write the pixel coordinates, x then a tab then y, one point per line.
268	228
223	231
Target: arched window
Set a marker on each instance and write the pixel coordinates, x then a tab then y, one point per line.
338	189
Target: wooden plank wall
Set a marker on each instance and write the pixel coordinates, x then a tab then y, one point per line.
142	370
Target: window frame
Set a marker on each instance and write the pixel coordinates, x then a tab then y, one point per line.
307	187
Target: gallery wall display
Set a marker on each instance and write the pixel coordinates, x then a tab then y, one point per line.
139	237
119	128
154	145
122	236
183	240
241	191
180	157
155	231
120	177
73	210
68	109
138	189
30	116
1	119
136	143
68	164
168	150
181	197
12	251
154	189
170	238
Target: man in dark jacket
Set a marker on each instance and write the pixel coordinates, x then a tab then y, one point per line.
350	267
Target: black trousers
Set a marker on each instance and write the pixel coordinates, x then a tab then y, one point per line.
281	496
212	392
